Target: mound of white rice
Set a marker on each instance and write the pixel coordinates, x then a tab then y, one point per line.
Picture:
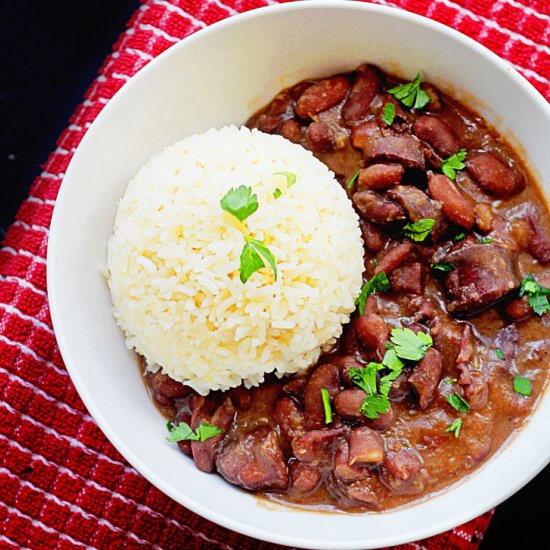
173	260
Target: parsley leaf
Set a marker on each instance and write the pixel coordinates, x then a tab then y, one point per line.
365	377
389	113
183	432
277	193
537	295
455	427
455	162
418	231
373	405
326	405
458	403
240	202
459	237
379	283
409	345
391	361
251	258
522	386
442	266
290	177
500	353
351	182
410	94
486	240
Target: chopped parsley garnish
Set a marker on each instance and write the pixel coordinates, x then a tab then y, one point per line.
537	295
410	94
378	283
353	179
277	193
389	113
365	377
458	403
418	231
455	162
455	427
410	345
290	177
376	404
240	202
183	432
326	405
500	353
442	266
251	258
522	386
486	240
459	237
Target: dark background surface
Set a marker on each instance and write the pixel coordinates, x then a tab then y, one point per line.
51	52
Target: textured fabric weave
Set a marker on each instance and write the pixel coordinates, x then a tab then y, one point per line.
62	485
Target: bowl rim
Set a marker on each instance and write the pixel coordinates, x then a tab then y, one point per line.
70	358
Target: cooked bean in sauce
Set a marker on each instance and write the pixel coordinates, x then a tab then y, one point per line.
456	284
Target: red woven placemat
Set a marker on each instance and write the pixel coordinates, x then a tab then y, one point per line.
62	485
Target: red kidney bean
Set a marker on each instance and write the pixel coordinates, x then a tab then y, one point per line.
456	208
383	422
296	386
163	384
375	239
326	376
493	175
321	137
344	363
348	403
394	257
242	397
162	400
380	176
322	96
366	86
291	129
438	134
518	309
372	331
538	241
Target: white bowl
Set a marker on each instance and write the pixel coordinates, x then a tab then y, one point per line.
221	75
